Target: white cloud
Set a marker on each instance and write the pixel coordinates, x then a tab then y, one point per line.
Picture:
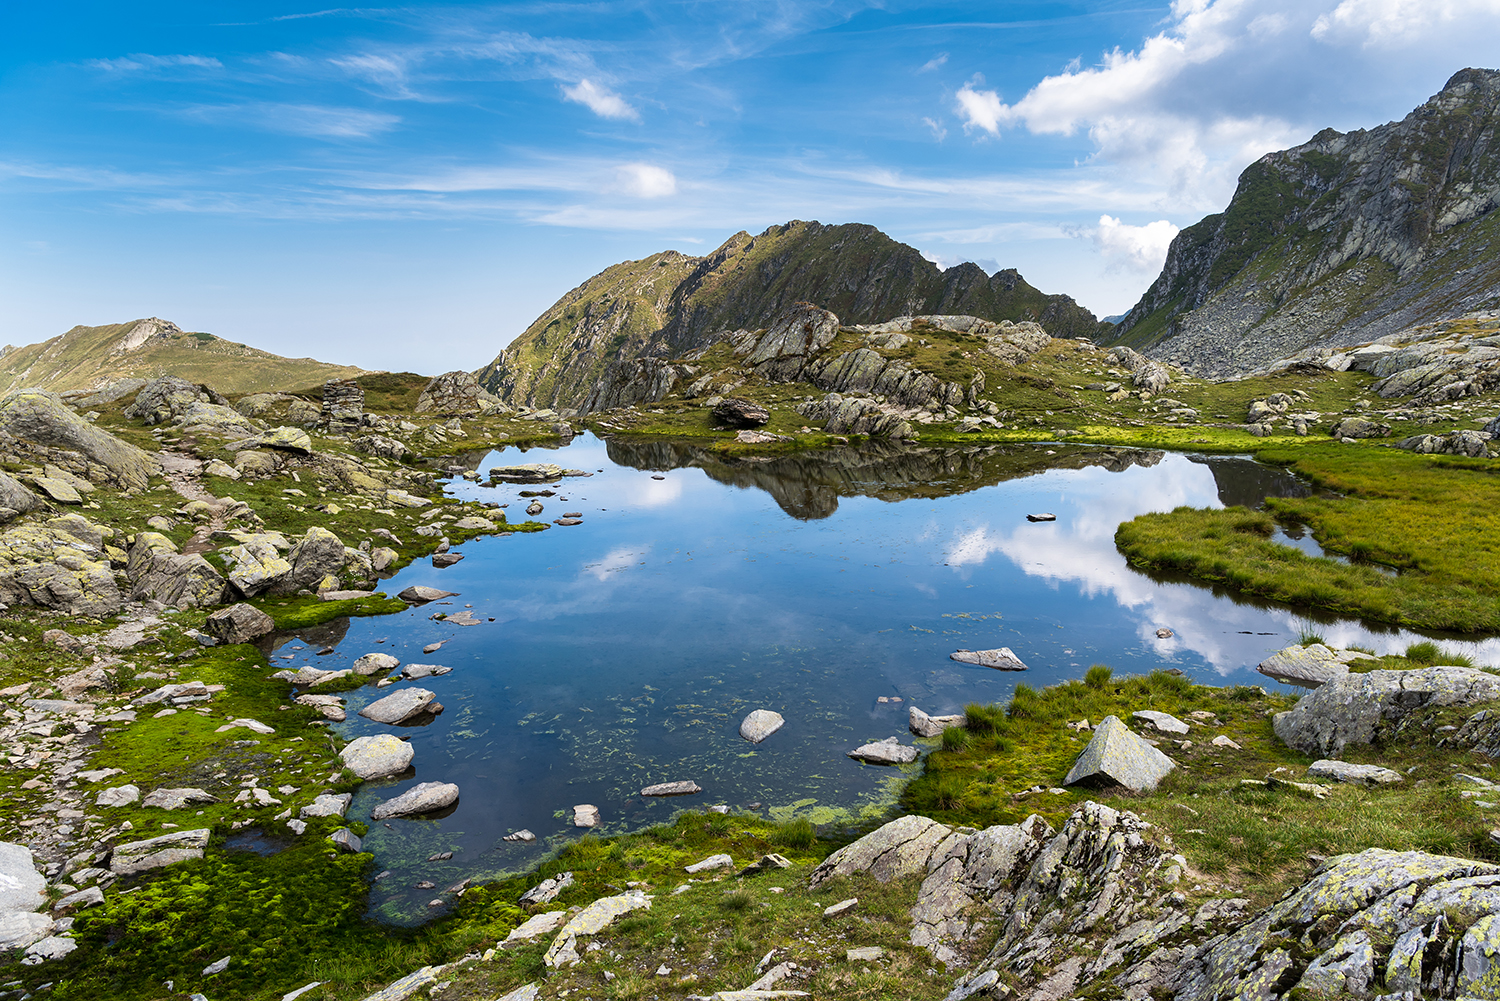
601	100
1391	23
312	120
1140	249
938	131
645	180
981	109
941	59
136	63
946	261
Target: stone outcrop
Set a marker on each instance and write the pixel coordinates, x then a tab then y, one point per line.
1475	444
1389	227
457	394
63	564
857	415
41	418
1308	666
238	623
1365	708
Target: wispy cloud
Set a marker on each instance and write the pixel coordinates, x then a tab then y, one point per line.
140	62
937	61
600	100
311	120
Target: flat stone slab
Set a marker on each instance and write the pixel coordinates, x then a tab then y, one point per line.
686	788
1001	658
760	724
417	594
22	888
527	472
886	752
176	799
377	757
864	954
834	910
1343	771
585	815
924	725
19	929
1115	756
400	707
424	797
1165	722
327	805
1309	666
591	921
712	862
534	926
153	853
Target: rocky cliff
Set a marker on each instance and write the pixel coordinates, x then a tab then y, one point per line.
1346	238
668	304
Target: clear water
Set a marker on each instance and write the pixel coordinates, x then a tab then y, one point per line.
626	650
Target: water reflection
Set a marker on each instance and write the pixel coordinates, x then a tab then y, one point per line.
624	651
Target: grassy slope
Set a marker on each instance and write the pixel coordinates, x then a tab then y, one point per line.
82	357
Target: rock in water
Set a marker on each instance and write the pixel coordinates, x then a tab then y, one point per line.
1358	708
1001	659
739	413
377	757
441	560
420	595
686	788
585	815
527	472
406	706
760	724
889	751
924	725
1115	756
239	623
424	797
1308	666
375	663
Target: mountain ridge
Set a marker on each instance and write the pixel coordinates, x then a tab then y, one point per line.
668	304
1346	238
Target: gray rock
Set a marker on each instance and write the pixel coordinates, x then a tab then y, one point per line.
22	888
375	663
864	954
377	757
417	594
522	835
20	929
766	863
176	799
317	557
50	948
1164	722
424	797
90	897
924	725
71	686
843	906
533	927
1115	756
1359	708
739	413
58	491
15	498
405	706
238	623
1308	666
712	862
118	796
181	581
1358	427
684	788
547	890
258	567
41	417
897	849
1001	659
1343	771
760	724
153	853
327	805
527	472
346	840
886	752
585	815
343	405
217	966
458	394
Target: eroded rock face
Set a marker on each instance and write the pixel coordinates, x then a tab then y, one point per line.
41	417
1360	708
182	581
457	394
61	564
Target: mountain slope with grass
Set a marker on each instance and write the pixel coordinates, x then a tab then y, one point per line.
669	304
1344	239
93	357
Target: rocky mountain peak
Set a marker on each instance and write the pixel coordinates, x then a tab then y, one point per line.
143	331
1345	238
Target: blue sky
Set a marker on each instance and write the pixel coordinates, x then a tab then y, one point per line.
408	187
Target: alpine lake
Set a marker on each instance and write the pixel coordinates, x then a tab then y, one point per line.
829	587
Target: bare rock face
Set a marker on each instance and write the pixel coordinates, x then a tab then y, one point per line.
1361	708
739	413
15	498
182	581
457	394
41	418
799	333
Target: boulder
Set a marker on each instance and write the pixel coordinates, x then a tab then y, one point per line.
739	413
591	921
59	491
1358	427
798	333
457	394
924	725
534	926
375	663
547	890
331	707
165	398
760	724
346	841
20	929
417	594
181	581
239	623
377	757
1001	658
1361	708
1115	756
1343	771
686	788
900	848
327	805
71	686
283	439
153	853
527	472
258	567
91	897
1307	666
406	706
42	418
712	862
177	799
22	888
15	498
886	752
424	797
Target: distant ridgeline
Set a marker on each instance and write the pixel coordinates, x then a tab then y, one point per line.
669	304
93	357
1347	238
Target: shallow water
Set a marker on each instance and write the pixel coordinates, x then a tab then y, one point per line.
626	650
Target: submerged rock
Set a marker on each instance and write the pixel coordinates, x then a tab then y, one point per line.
1115	756
760	724
1001	658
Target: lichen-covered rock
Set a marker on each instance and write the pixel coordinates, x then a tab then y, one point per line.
1343	771
1475	444
61	565
1115	756
315	556
798	333
15	498
1359	708
377	757
1308	666
182	581
591	921
165	398
239	623
42	418
899	848
1358	427
857	415
457	394
258	567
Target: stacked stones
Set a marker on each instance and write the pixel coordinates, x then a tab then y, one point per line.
343	405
